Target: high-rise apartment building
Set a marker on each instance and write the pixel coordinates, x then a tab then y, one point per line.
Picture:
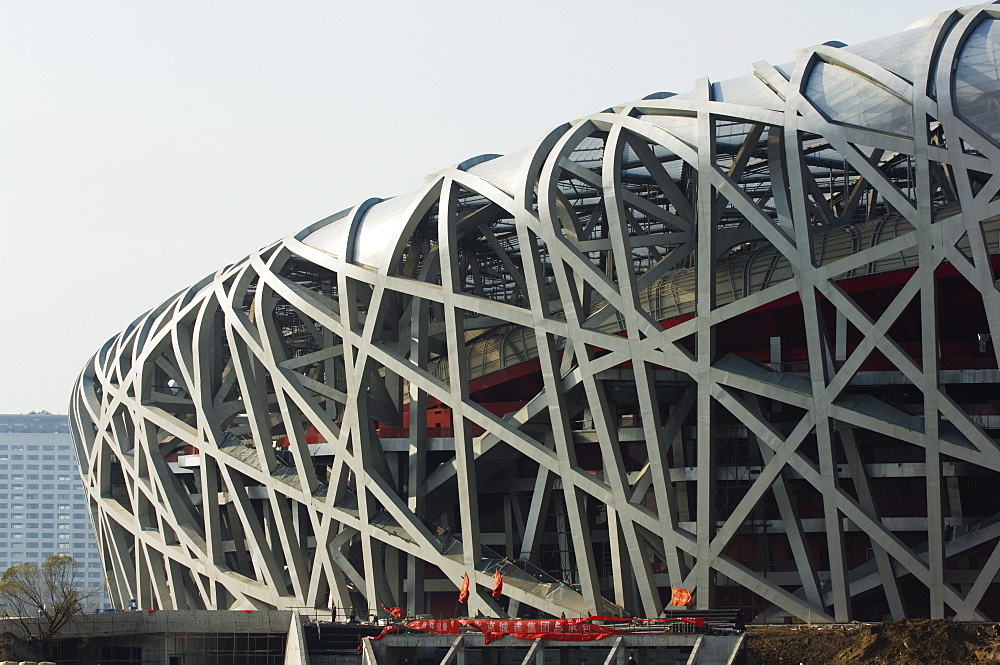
43	509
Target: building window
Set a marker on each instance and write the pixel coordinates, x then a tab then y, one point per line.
62	546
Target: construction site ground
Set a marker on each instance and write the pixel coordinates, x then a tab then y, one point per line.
894	643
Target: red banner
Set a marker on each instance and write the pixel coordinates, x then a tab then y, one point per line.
448	627
557	630
689	620
563	630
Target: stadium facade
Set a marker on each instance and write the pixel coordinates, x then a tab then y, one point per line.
738	341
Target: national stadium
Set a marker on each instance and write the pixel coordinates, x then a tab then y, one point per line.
738	341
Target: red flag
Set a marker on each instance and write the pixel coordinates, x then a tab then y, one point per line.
463	593
497	584
395	612
680	597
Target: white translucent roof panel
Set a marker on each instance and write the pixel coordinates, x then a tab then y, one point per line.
748	90
502	172
683	127
899	53
382	225
329	238
977	80
847	98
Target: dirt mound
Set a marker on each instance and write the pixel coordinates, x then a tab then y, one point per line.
906	642
12	648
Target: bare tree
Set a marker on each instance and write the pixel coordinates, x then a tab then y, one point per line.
43	599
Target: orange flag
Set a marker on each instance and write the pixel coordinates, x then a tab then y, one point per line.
680	597
463	593
497	584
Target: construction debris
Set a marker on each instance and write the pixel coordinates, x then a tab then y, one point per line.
908	642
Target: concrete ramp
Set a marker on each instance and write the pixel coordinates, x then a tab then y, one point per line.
716	650
296	652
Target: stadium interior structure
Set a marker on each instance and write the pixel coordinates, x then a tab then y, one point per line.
738	340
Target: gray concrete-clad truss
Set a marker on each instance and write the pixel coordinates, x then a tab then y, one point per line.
262	439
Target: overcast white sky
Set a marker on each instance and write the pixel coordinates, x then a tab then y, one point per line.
146	144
